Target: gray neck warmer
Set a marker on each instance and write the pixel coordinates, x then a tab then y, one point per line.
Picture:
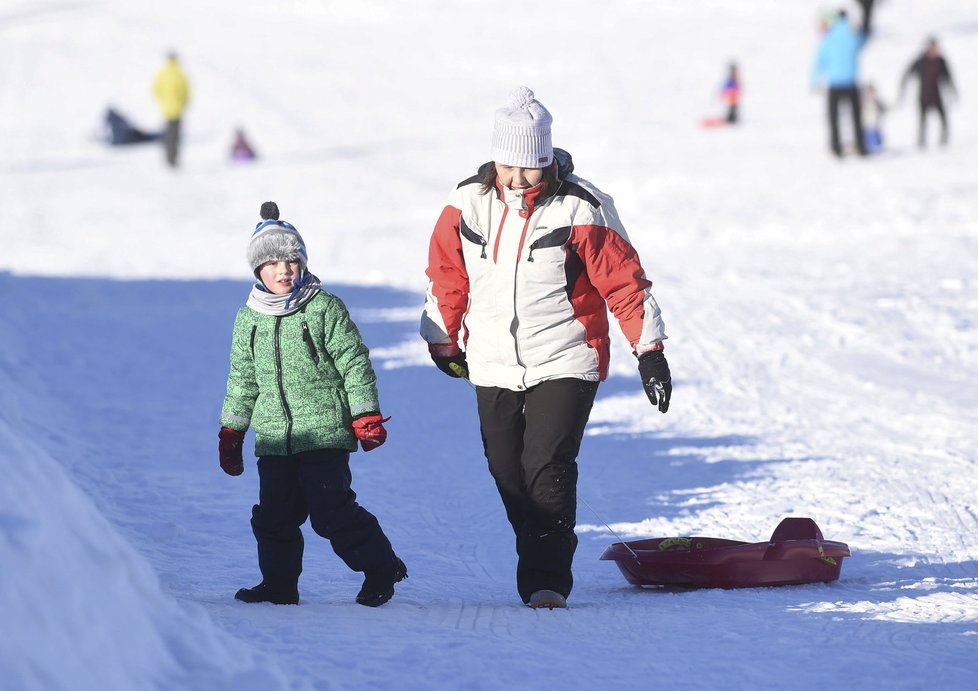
262	301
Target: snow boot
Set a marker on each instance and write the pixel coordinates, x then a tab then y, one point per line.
548	599
265	593
378	585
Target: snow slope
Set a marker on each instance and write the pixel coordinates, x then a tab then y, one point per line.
823	321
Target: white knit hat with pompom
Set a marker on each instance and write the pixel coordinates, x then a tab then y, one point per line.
521	137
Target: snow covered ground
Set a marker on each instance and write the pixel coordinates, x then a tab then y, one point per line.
823	321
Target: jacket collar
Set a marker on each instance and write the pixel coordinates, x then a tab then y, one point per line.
533	196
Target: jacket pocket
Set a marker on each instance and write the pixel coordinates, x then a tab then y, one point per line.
472	236
555	238
310	345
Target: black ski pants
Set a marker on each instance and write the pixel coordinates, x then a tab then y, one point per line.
313	485
838	95
531	440
925	106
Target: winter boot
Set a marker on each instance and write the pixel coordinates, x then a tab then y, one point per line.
378	585
548	599
265	593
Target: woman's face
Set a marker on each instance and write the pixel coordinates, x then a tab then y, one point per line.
518	178
279	277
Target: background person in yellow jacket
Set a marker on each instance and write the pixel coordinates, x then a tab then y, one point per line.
172	91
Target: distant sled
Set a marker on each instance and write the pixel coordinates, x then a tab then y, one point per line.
710	123
796	553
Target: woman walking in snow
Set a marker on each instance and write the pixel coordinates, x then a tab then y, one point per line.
524	263
302	377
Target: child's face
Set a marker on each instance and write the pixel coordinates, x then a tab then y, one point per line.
279	277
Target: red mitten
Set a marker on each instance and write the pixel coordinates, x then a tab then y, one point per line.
370	430
230	448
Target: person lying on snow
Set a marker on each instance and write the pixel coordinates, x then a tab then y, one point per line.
118	131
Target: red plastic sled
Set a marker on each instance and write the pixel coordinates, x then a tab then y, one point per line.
796	553
710	123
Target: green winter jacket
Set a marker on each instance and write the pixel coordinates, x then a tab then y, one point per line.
299	379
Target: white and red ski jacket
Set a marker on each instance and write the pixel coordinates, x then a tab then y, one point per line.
524	285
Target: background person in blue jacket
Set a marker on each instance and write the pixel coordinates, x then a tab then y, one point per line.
837	65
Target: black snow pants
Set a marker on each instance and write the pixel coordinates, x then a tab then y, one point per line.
925	106
531	440
849	94
314	485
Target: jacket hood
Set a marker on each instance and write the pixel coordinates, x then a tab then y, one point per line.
565	164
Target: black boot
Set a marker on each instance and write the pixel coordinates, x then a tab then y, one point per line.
378	584
265	593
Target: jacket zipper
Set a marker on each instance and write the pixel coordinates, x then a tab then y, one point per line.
516	316
473	236
307	337
499	234
281	386
554	238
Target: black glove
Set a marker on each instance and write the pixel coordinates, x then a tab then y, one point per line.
654	371
453	365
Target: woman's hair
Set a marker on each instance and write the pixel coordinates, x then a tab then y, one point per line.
487	178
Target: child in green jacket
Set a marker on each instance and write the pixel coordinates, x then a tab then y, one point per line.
301	376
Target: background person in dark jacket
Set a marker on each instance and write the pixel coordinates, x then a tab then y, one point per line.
931	69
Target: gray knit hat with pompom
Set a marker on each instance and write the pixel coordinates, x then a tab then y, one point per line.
275	240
